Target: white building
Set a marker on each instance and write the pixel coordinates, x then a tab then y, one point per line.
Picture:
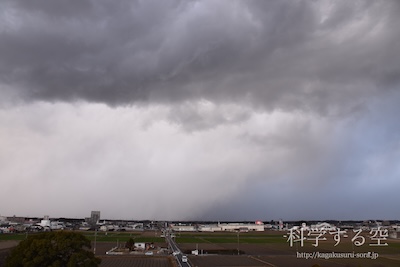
323	226
140	245
45	223
232	227
183	228
210	228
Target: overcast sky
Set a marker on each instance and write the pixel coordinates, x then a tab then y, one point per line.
214	110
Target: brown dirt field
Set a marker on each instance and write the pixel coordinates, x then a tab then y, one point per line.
8	244
206	246
215	260
103	247
3	255
134	261
282	261
293	261
5	248
249	249
281	255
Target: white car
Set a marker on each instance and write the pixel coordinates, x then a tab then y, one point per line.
184	258
149	253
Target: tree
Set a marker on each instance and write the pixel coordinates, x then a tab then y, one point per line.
130	244
53	249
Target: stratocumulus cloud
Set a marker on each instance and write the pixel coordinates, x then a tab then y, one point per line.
200	109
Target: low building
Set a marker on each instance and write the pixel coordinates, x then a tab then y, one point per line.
210	228
323	226
15	219
232	227
184	228
242	227
140	245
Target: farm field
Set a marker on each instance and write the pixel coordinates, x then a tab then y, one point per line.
272	249
102	236
222	248
129	261
5	247
124	236
231	261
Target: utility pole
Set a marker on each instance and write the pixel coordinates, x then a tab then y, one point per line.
95	239
238	242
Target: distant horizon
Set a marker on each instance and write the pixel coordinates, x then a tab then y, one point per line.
205	220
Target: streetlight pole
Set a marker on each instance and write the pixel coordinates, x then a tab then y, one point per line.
95	239
238	242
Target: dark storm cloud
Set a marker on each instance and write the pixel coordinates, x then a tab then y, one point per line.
271	109
346	171
286	54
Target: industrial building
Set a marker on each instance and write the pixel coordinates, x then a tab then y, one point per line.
94	218
232	227
183	228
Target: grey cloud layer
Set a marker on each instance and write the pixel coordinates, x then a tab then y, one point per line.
273	54
277	102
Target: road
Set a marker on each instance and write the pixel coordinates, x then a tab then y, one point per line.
177	251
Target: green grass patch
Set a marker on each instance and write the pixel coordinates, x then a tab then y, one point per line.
6	237
228	234
100	237
190	240
229	238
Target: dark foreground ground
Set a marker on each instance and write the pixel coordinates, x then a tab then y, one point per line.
272	249
3	255
136	261
255	249
274	261
107	261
